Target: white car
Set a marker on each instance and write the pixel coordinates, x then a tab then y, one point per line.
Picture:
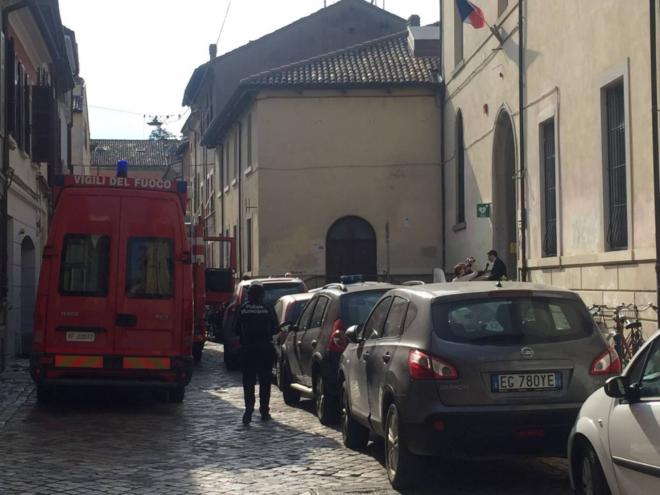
615	444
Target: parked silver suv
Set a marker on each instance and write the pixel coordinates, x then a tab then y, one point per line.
477	369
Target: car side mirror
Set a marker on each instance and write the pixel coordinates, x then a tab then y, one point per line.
618	387
286	326
352	334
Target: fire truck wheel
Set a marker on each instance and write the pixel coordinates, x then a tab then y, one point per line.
197	349
45	395
176	395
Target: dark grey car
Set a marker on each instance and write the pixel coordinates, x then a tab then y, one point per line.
313	345
470	369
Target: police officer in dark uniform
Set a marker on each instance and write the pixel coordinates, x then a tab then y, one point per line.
256	325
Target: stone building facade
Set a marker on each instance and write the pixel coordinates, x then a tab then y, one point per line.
330	165
35	134
578	212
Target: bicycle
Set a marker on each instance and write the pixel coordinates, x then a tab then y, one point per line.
626	318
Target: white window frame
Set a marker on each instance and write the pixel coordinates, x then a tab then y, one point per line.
543	117
620	72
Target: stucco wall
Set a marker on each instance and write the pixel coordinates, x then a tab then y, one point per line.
320	156
573	49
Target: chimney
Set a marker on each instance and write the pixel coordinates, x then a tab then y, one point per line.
213	51
414	20
424	41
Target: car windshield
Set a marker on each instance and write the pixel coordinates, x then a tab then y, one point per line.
275	291
355	307
519	320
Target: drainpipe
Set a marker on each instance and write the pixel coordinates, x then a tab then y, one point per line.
521	106
443	206
656	156
239	231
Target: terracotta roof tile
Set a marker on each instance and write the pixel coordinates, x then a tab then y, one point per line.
142	153
386	61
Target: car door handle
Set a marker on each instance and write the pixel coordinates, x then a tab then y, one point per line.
386	357
314	343
299	342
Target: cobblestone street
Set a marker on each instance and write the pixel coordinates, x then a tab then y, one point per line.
113	442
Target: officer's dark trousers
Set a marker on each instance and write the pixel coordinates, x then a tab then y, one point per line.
257	363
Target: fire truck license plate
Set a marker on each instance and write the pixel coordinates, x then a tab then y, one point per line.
80	336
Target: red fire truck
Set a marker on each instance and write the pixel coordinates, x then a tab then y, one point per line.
213	285
120	299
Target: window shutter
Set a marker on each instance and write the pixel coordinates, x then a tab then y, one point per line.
43	112
10	62
3	86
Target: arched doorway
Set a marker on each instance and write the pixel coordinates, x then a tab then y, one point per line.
351	249
28	293
505	235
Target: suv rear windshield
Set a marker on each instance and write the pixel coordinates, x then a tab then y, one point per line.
84	268
150	268
355	307
275	291
524	320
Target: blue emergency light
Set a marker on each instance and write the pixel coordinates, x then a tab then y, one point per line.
122	168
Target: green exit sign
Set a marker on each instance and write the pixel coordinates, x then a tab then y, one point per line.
483	210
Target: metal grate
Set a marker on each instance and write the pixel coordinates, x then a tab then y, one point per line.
617	228
549	190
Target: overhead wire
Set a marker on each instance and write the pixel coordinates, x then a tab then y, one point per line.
224	21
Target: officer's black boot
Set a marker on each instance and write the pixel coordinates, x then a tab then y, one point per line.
247	417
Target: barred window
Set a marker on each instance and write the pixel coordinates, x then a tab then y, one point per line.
615	168
549	189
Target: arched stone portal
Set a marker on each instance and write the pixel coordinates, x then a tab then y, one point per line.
28	293
505	237
351	248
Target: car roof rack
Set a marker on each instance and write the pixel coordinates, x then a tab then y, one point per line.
413	282
336	285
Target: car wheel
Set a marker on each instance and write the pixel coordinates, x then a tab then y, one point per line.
276	373
400	463
591	477
176	395
197	349
291	397
326	406
354	435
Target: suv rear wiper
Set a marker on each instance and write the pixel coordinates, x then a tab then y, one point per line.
498	336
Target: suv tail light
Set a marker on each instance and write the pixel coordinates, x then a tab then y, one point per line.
425	367
337	342
607	363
